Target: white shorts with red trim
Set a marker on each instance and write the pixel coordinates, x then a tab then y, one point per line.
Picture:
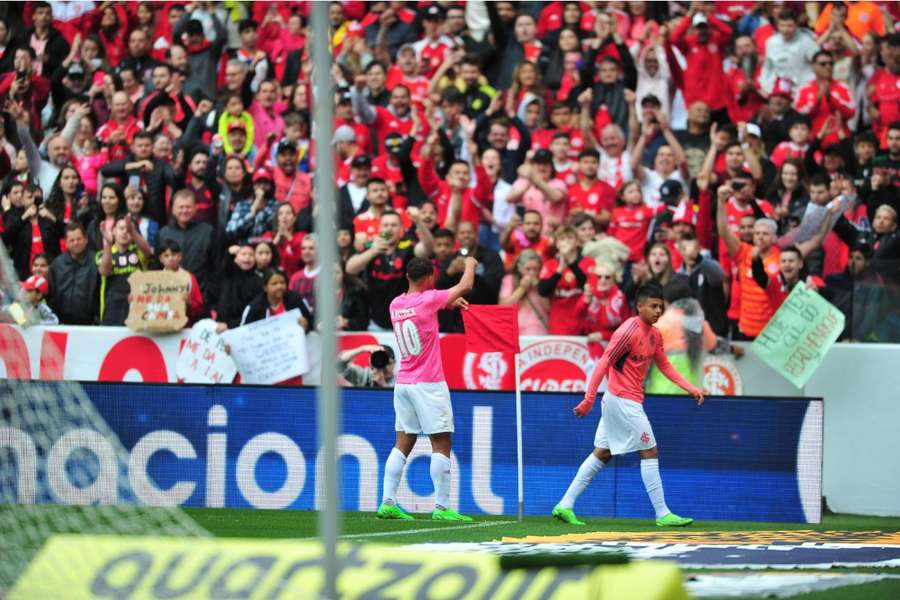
623	426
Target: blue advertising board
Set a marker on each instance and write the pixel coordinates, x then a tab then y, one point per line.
243	446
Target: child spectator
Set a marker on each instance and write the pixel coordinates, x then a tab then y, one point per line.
33	310
170	259
631	220
233	122
88	163
124	251
797	146
286	238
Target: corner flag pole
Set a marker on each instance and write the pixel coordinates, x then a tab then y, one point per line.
519	460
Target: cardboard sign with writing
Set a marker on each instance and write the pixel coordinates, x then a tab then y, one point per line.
157	301
799	334
203	358
269	351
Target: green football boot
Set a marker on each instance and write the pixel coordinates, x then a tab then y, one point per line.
673	520
448	514
392	511
566	515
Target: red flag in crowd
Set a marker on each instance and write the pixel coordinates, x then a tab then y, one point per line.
491	328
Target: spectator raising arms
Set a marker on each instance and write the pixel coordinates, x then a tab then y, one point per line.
458	129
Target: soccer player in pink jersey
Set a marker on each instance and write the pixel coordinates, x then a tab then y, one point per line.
623	425
421	396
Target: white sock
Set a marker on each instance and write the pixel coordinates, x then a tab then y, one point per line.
393	470
440	475
653	485
586	472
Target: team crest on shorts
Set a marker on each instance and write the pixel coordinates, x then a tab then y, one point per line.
645	438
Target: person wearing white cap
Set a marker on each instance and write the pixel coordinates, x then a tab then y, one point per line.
345	148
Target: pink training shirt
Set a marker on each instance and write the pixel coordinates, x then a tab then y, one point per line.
632	348
415	322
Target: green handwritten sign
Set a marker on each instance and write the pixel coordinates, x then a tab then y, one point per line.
798	335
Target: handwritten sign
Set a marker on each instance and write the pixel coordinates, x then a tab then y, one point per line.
797	337
271	350
203	358
158	301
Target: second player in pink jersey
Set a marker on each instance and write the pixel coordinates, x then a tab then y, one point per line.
421	397
624	426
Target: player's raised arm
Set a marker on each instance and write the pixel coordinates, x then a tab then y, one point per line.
466	282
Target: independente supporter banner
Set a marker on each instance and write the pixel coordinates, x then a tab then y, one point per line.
549	363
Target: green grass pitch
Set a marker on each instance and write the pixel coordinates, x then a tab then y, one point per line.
365	528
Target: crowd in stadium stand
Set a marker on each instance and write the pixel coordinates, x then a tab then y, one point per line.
727	151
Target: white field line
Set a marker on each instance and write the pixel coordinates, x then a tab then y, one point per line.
418	531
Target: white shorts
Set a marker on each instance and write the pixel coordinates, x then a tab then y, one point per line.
423	408
623	426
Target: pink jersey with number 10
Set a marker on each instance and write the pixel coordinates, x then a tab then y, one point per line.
415	322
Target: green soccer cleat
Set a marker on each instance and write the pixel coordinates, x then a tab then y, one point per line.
566	515
673	520
392	511
448	514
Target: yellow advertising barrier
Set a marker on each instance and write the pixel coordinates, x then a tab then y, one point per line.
137	568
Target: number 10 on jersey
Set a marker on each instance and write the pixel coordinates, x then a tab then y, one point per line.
407	335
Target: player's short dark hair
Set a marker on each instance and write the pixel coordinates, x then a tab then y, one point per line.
375	180
821	53
419	268
648	291
589	153
895	125
793	248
